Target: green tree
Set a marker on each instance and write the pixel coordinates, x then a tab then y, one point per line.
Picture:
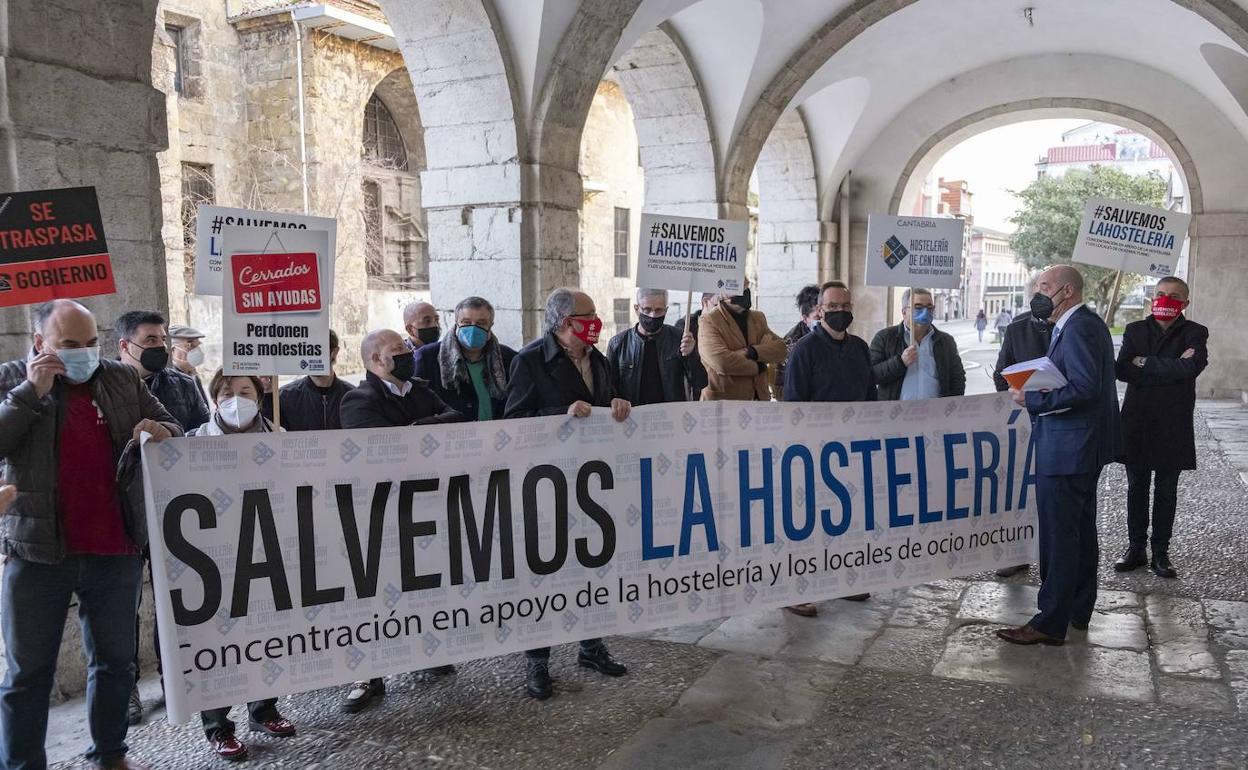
1052	208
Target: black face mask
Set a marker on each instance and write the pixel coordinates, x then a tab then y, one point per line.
428	334
404	366
152	359
650	324
742	300
838	320
1041	306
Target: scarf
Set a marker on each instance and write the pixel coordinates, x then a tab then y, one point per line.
455	367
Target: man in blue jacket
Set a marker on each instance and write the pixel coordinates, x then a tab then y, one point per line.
1077	433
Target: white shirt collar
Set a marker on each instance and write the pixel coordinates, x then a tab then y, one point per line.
1066	317
397	390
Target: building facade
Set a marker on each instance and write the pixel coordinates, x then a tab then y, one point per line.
996	278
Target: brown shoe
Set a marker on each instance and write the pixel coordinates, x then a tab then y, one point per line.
226	746
856	598
1026	635
805	610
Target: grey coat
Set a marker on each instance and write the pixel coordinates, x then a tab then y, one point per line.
30	430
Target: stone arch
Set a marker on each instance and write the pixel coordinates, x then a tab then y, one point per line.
741	155
669	110
791	241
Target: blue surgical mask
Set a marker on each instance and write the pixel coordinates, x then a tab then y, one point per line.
80	363
472	337
922	316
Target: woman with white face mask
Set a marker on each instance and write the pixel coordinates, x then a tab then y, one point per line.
237	401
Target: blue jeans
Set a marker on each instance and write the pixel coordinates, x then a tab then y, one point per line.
36	600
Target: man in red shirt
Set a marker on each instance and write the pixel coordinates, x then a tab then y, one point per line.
73	529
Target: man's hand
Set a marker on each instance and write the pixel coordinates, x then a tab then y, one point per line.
687	344
1019	397
579	409
1188	353
620	409
42	372
158	431
8	494
910	355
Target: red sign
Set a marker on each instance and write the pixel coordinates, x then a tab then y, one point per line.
276	283
52	247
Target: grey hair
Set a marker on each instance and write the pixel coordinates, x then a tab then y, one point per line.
40	315
905	295
559	306
643	293
474	303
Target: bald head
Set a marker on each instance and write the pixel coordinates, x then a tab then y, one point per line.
421	315
1067	274
1064	285
378	351
63	324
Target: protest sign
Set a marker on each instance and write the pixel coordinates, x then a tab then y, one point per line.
52	247
686	254
1130	237
209	222
275	315
914	251
294	561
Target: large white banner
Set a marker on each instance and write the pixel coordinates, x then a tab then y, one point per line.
688	254
210	222
290	562
914	251
1127	236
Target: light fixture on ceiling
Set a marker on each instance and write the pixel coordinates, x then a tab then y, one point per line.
1027	14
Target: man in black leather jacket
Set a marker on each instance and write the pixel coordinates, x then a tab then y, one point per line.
312	402
651	363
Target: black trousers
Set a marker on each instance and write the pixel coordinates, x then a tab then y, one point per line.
543	653
219	719
1069	551
1165	488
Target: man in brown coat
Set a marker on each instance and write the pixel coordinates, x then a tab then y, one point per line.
737	345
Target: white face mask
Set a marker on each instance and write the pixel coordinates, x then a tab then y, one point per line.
195	357
238	413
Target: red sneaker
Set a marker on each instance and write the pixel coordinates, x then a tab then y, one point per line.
226	746
278	725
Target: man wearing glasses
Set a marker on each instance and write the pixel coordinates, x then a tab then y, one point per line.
914	360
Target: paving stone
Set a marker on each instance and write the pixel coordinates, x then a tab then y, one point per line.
1118	630
1180	637
909	650
1229	622
687	634
839	634
974	652
1237	665
1007	604
1195	693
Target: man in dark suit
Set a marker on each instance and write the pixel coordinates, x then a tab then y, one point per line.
563	373
1026	338
1160	359
1077	433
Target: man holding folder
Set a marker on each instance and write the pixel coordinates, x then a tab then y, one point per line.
1077	433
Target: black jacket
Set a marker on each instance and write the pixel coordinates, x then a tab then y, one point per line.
544	381
625	354
800	330
462	397
371	405
180	396
697	372
821	369
305	407
890	370
1157	411
1025	339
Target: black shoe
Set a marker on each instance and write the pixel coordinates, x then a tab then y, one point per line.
134	711
1132	558
1011	571
600	660
1161	565
537	681
446	670
361	693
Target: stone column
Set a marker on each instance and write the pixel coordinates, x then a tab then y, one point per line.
1219	283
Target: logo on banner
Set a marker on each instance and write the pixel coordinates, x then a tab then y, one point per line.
276	283
893	252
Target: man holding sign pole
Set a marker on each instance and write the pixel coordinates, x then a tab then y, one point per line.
1077	433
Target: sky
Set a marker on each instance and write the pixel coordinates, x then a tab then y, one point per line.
1000	160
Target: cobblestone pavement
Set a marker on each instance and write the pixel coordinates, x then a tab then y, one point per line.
910	678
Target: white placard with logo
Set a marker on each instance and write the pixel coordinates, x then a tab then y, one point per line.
914	251
1130	237
688	254
275	312
209	222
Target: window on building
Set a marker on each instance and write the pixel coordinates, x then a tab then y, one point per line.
623	312
383	144
374	233
621	242
197	189
179	58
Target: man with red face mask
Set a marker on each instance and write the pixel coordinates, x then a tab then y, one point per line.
1160	359
563	373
